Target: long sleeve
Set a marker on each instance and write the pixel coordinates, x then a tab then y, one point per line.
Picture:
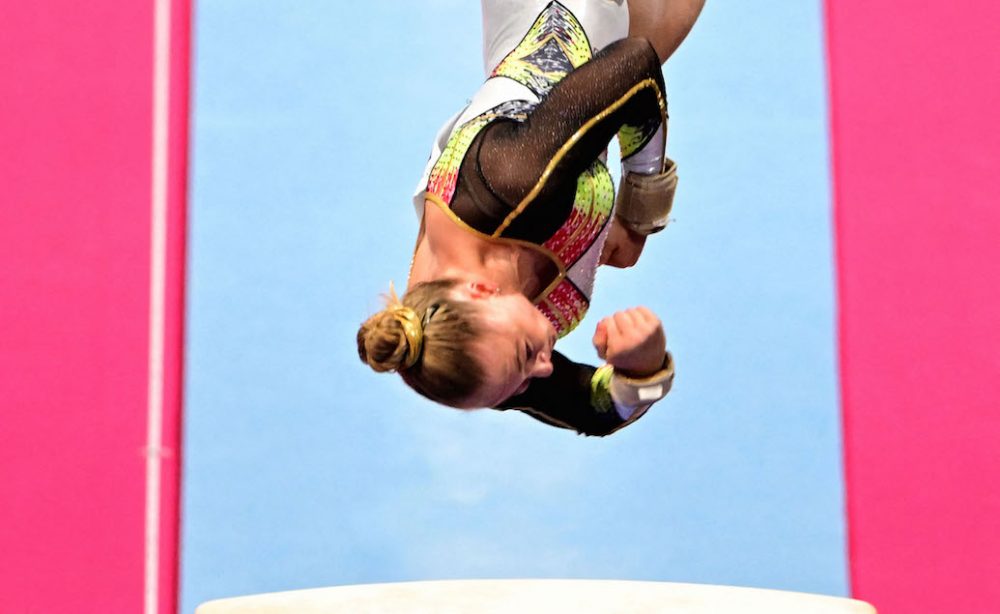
590	400
557	141
519	180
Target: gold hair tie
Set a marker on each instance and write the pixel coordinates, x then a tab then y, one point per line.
413	330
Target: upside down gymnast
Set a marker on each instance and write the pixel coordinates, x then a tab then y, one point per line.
517	210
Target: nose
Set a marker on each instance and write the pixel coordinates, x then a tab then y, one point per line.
542	366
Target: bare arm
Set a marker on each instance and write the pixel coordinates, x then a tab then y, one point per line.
665	23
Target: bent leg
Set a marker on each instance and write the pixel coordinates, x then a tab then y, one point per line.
665	23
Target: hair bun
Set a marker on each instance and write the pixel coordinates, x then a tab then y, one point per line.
391	340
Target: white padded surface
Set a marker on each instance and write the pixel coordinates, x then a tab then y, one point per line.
536	596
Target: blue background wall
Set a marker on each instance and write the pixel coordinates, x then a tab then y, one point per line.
303	468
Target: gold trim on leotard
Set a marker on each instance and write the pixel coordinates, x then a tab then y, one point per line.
571	247
579	134
560	267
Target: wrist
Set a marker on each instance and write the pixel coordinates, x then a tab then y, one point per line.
630	389
649	159
642	368
644	202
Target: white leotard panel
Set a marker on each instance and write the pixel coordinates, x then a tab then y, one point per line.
504	25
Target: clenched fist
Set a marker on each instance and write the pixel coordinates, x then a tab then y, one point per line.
632	341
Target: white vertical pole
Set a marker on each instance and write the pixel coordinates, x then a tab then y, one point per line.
157	299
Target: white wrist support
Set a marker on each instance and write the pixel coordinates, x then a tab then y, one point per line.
644	201
632	396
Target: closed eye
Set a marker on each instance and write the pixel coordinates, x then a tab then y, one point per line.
522	359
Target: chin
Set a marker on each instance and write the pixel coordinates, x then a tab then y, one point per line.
466	406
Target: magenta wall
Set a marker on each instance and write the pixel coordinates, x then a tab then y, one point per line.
913	93
915	88
77	201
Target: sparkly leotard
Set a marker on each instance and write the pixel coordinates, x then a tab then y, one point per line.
523	163
562	204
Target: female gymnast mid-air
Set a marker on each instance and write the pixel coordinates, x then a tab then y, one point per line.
517	210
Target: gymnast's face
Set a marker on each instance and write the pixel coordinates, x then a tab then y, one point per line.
515	346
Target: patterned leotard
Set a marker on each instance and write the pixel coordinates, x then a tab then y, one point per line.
523	164
554	46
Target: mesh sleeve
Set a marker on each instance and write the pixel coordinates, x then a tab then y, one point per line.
530	167
575	397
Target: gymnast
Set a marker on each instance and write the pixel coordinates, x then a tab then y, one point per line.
517	210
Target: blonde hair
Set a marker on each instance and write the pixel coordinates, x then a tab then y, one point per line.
427	338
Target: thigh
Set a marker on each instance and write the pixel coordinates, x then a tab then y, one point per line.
664	22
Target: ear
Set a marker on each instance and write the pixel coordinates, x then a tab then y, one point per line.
483	289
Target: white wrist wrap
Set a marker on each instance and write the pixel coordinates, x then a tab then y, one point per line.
644	201
630	393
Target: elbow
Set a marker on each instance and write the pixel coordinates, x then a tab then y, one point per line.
601	430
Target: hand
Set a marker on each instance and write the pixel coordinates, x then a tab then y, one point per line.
632	341
623	247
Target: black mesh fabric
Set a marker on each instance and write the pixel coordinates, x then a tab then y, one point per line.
508	157
563	400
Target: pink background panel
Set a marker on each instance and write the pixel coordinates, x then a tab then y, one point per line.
916	151
74	305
